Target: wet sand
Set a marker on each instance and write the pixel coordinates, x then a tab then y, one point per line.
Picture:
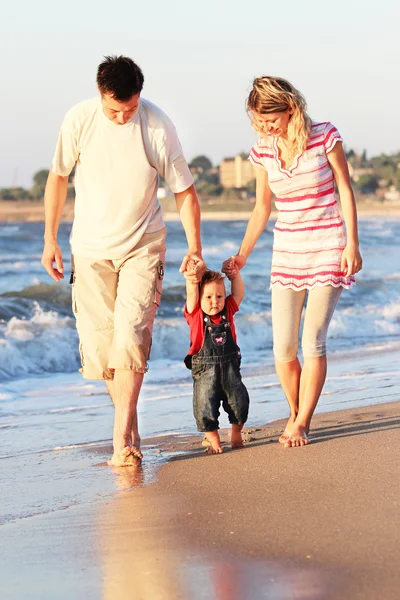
332	507
312	523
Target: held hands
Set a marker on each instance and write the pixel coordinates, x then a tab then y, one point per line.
193	267
52	253
232	266
351	260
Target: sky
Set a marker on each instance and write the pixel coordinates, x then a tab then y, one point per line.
199	60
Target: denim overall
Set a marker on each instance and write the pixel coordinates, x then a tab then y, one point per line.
217	378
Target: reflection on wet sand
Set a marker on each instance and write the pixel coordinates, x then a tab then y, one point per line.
137	550
145	554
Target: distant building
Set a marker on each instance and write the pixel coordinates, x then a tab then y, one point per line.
392	194
236	172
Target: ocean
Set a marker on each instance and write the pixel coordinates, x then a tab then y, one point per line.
54	424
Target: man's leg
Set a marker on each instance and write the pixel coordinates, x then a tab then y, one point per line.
138	295
124	390
93	300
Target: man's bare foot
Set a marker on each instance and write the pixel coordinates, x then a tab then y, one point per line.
215	442
236	436
129	456
135	437
298	437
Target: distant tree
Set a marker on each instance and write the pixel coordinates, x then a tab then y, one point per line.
37	191
251	187
397	180
364	160
350	154
367	184
40	177
208	188
39	183
201	162
17	193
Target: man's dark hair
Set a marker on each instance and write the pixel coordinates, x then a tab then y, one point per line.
119	77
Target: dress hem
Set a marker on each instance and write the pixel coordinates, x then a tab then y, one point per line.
307	286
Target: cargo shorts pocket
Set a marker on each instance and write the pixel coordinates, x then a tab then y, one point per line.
81	355
157	291
73	294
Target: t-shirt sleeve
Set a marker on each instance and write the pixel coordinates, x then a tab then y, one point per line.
331	136
259	153
254	156
67	153
231	306
172	165
190	317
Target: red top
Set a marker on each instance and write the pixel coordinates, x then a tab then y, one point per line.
195	321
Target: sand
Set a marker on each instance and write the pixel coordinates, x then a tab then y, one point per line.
312	523
34	211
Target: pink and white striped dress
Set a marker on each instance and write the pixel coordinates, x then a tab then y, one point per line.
309	235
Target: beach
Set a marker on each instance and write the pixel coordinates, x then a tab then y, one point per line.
34	211
319	522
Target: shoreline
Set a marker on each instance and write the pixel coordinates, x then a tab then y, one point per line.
264	521
333	533
33	211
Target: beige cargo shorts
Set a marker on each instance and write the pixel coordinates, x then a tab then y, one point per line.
114	303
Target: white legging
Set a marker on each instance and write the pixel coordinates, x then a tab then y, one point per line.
287	306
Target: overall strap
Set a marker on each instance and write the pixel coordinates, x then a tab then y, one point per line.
222	314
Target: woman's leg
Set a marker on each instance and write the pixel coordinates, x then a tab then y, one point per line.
321	305
287	306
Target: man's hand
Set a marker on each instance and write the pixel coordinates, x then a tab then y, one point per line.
193	266
52	253
232	265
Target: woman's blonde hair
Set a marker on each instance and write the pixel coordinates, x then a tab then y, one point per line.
274	94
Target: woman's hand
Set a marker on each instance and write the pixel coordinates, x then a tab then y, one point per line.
232	265
351	260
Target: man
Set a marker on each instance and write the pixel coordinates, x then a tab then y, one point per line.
119	144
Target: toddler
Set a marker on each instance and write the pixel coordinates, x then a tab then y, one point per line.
214	356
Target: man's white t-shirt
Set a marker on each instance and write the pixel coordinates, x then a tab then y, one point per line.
116	177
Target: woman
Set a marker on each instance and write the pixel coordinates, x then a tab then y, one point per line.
299	161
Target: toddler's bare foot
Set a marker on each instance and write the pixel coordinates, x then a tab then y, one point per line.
215	442
129	456
298	437
236	436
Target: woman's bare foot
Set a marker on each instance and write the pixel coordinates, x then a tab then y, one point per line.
236	436
129	456
287	431
298	437
215	442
